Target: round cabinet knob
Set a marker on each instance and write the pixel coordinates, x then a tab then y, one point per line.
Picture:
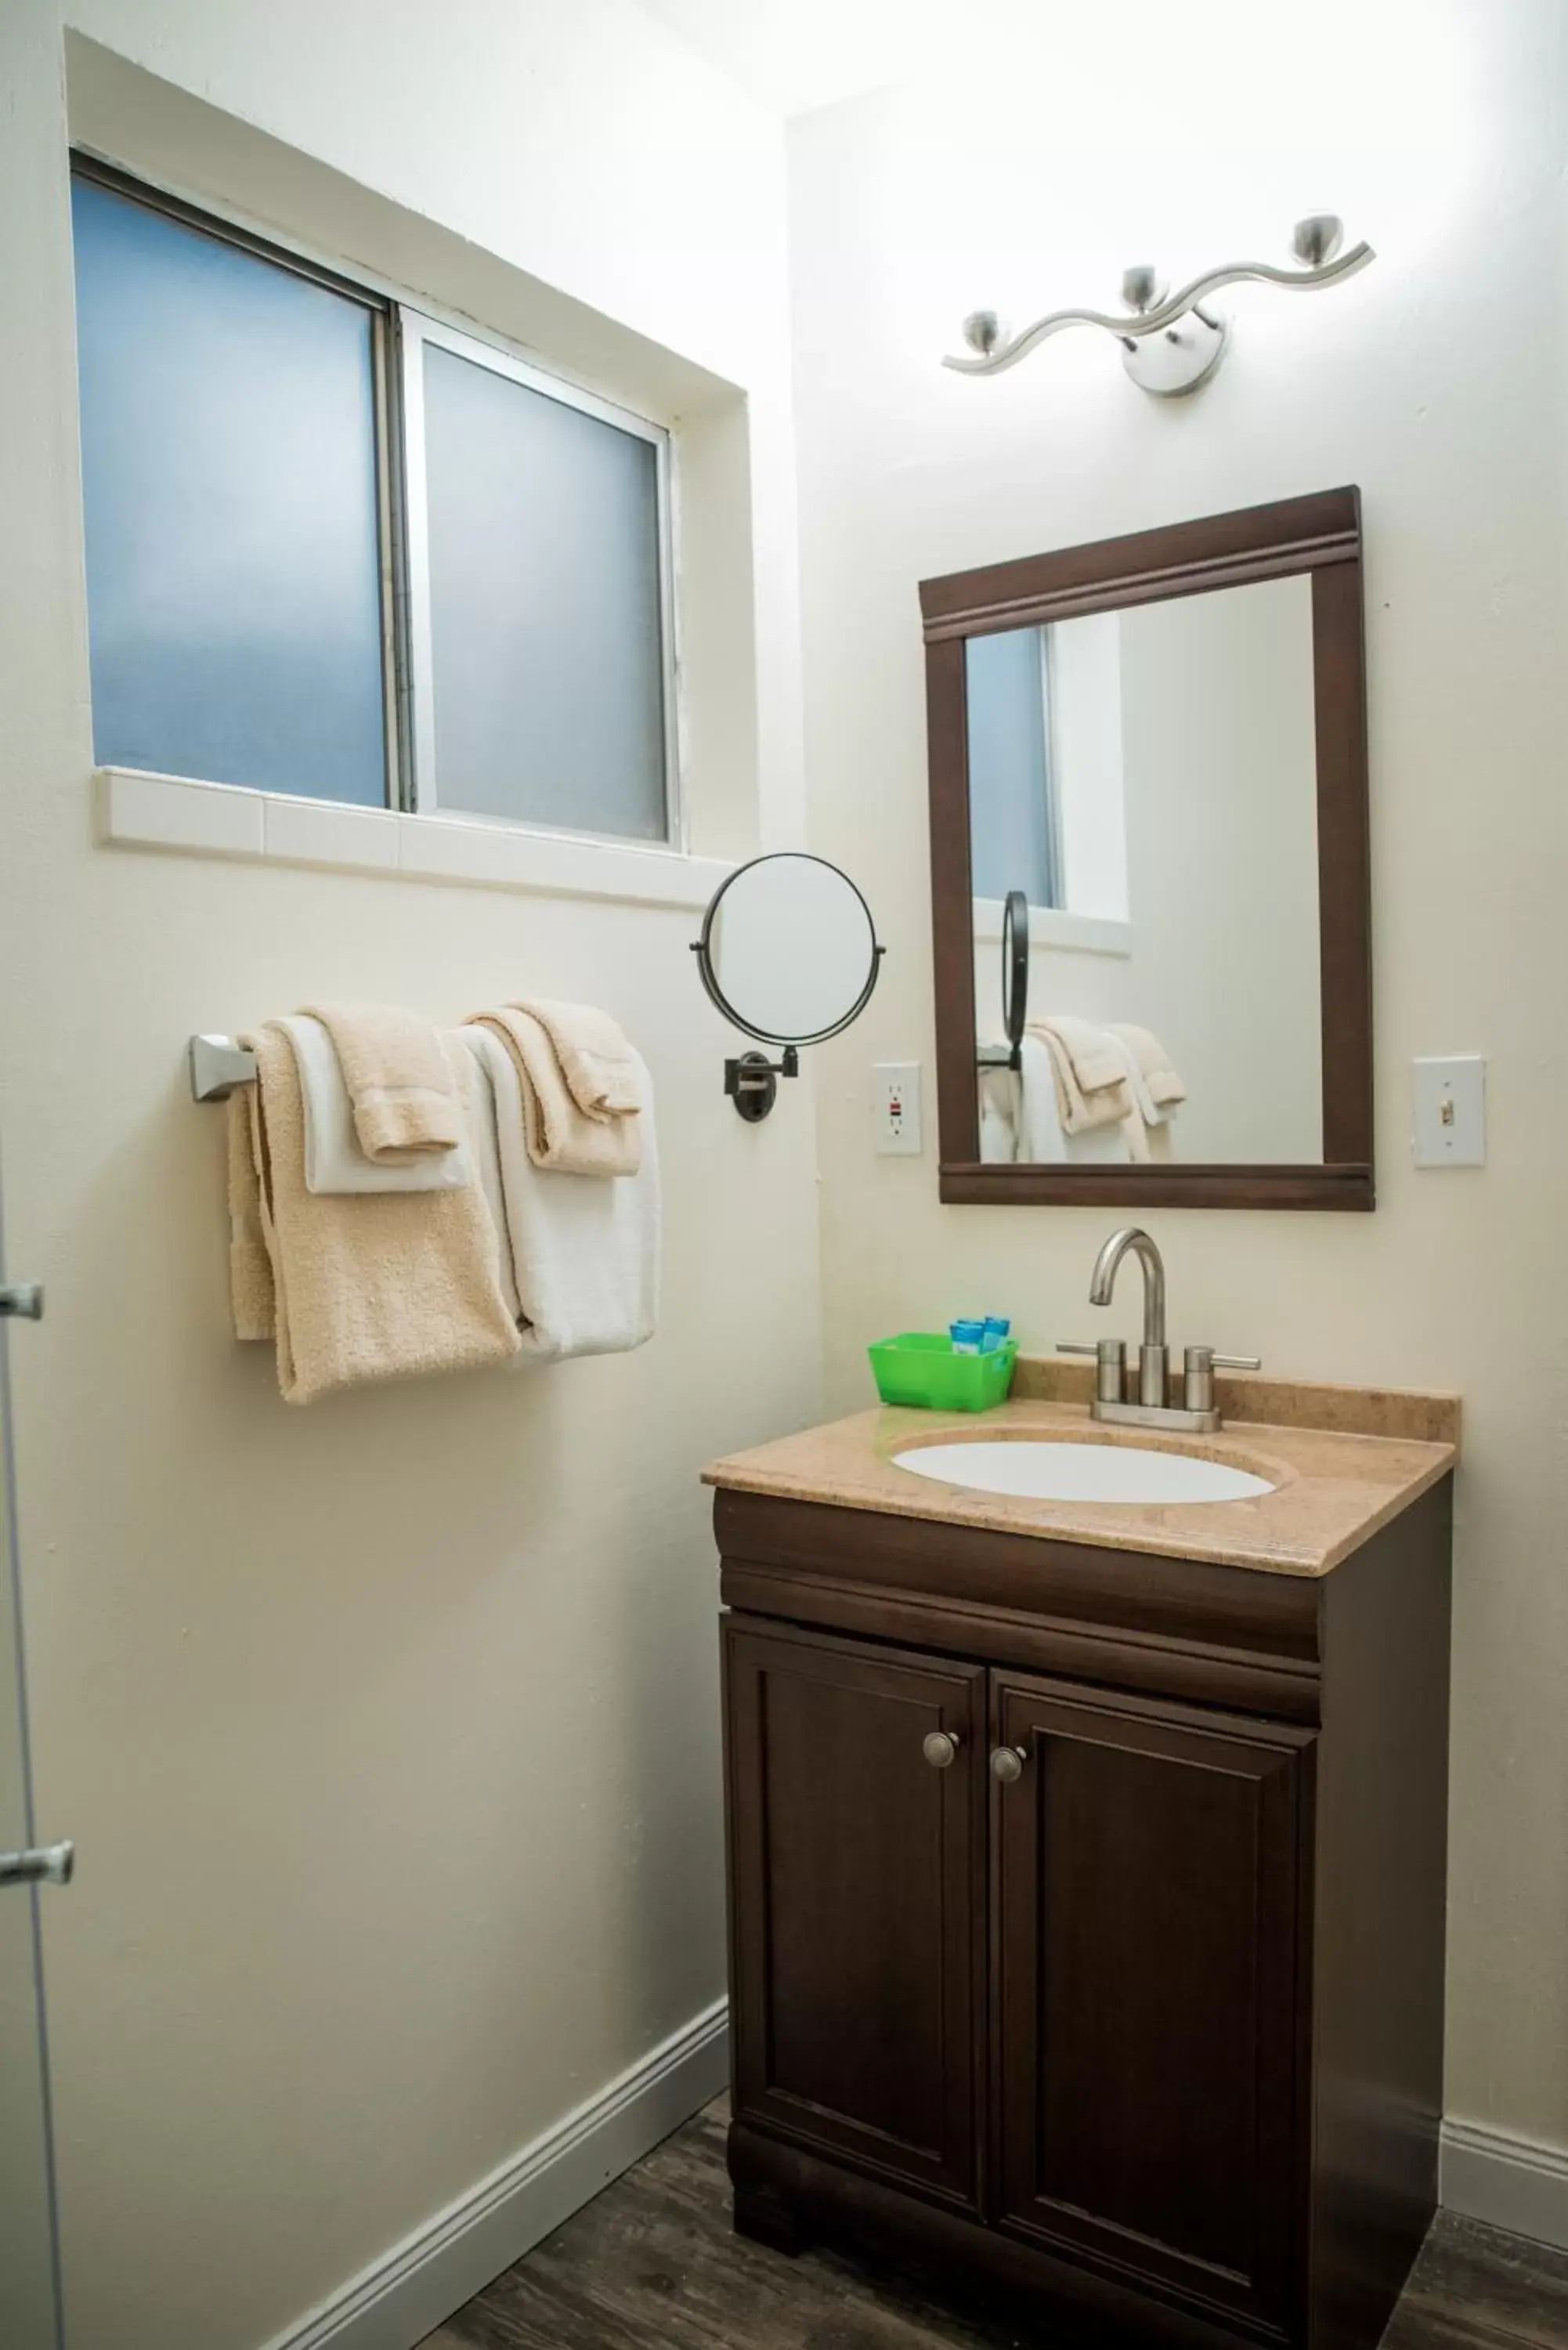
941	1749
1007	1763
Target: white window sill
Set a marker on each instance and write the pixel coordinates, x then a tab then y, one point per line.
133	810
1050	927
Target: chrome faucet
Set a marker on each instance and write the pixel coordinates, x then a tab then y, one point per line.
1154	1355
1196	1412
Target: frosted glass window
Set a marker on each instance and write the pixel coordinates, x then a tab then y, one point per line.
546	659
229	461
1013	821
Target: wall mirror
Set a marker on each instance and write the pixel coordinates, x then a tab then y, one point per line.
789	955
1149	868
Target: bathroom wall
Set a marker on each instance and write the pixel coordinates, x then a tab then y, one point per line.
386	1730
1027	180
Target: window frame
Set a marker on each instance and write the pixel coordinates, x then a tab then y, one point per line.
400	327
416	330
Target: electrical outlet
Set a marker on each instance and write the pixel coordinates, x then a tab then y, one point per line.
1451	1112
896	1096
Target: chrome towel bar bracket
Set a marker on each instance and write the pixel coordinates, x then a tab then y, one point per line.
217	1065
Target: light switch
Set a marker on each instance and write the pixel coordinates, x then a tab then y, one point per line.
1451	1112
896	1098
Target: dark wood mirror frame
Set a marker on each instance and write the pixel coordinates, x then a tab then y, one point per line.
1320	534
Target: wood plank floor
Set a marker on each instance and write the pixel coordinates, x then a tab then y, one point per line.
651	2265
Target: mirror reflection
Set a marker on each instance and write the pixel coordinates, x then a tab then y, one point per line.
789	951
1148	778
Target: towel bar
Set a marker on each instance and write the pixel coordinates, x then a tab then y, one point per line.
217	1065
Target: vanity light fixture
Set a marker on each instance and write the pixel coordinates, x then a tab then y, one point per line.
1170	342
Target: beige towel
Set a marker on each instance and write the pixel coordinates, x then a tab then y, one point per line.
388	1285
1166	1088
601	1070
399	1079
561	1136
250	1267
1091	1076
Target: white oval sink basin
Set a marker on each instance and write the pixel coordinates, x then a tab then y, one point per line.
1081	1472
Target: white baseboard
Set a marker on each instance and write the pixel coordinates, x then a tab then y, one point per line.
1506	2181
405	2294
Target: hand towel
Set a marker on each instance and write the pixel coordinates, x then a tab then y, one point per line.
334	1161
1148	1125
601	1070
1153	1062
584	1254
398	1076
1043	1139
561	1136
1090	1072
385	1286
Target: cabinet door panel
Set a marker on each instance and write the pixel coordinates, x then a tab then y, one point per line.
857	1875
1149	1949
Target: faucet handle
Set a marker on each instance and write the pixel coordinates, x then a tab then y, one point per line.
1199	1365
1111	1364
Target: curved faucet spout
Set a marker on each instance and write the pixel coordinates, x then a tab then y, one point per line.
1134	1242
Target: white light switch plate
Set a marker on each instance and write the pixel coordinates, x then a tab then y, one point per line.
896	1103
1451	1112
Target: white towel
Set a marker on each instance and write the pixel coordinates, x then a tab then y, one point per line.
1042	1141
999	1117
585	1252
334	1161
484	1135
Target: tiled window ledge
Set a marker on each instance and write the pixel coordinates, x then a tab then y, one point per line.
132	810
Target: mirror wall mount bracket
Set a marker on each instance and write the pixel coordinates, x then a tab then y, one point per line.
1171	343
752	1082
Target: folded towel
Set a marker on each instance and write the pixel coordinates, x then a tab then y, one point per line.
1153	1062
1043	1141
399	1079
561	1136
585	1255
1089	1071
385	1286
601	1070
334	1161
1146	1125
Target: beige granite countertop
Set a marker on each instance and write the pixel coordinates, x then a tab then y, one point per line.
1335	1484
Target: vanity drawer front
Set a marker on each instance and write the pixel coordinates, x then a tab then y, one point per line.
857	1897
1150	1971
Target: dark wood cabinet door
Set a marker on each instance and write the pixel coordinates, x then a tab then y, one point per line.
1150	1957
858	1902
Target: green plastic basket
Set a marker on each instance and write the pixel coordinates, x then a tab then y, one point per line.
920	1367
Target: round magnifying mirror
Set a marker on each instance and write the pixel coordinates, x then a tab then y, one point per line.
789	954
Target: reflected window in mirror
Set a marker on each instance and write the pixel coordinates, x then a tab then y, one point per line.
1164	752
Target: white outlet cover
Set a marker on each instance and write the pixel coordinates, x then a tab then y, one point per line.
896	1109
1451	1112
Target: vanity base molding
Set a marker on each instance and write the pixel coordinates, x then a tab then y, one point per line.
1143	2029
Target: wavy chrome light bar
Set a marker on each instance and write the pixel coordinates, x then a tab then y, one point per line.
1171	344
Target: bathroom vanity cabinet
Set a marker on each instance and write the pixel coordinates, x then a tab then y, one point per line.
1148	2029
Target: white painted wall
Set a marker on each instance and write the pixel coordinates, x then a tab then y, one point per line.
1028	178
386	1730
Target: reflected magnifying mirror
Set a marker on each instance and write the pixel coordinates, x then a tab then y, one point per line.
789	955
